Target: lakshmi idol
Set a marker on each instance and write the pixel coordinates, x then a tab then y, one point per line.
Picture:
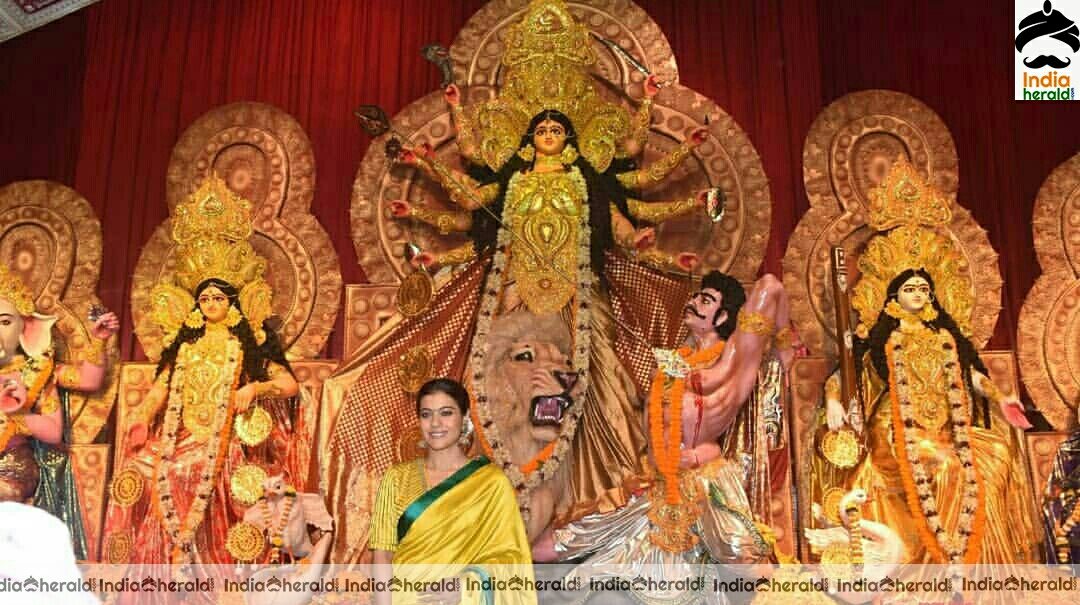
219	406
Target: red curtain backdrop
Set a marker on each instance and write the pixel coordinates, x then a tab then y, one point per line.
98	99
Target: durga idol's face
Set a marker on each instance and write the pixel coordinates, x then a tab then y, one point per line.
914	294
549	138
214	304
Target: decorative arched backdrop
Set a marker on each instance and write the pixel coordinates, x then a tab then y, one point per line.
97	100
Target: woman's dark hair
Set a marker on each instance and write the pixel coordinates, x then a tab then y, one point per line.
603	190
256	356
878	339
446	386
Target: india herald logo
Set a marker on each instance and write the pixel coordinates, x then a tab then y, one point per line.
1046	40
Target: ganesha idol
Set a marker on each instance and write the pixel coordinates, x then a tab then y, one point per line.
33	468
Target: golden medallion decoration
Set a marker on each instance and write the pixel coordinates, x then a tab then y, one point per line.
837	562
673	523
245	542
118	547
253	426
199	419
830	503
414	369
126	487
415	293
246	484
842	448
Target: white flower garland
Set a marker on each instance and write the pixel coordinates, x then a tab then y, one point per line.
182	536
970	520
489	302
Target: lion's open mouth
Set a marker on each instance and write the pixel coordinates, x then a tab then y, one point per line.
547	410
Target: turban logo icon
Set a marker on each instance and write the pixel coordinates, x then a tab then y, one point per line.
1046	34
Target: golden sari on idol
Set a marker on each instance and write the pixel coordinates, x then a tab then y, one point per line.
467	527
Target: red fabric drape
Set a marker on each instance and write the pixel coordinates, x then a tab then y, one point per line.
97	100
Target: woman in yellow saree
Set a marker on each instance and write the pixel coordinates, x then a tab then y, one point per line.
449	527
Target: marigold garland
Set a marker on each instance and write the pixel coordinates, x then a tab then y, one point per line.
182	535
547	461
8	429
277	532
916	481
44	372
667	451
529	467
41	375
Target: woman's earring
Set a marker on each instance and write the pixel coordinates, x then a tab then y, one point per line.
527	153
466	432
421	444
195	320
568	155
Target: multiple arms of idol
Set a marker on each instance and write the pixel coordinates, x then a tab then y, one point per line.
469	195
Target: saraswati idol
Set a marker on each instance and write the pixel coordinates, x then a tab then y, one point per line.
926	432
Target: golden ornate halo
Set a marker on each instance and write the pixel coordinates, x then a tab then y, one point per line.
254	426
245	542
246	484
841	448
415	293
126	487
830	502
837	562
118	547
211	230
15	291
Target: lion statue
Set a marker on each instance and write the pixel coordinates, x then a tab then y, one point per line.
532	390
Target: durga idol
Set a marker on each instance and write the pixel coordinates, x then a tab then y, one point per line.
550	192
